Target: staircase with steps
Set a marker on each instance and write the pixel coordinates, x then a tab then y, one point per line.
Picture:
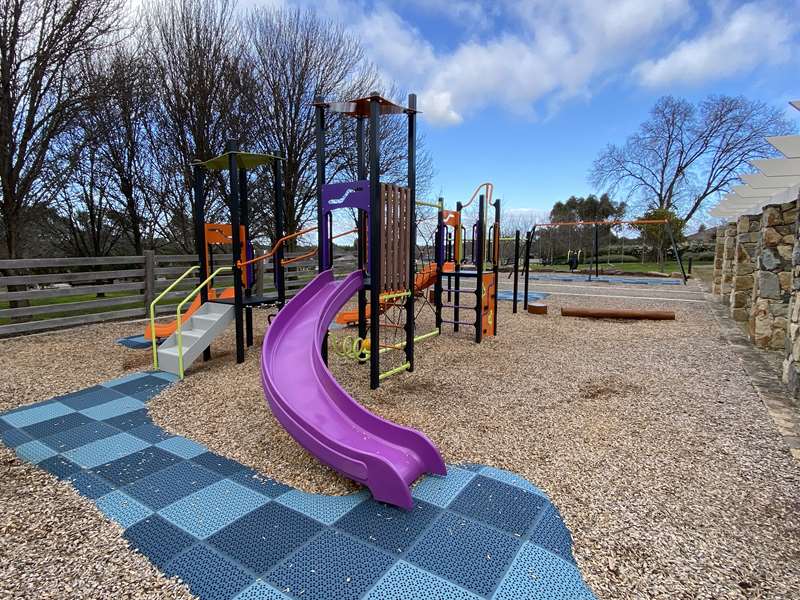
198	331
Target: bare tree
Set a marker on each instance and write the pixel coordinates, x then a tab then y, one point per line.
197	58
685	154
42	45
296	56
116	121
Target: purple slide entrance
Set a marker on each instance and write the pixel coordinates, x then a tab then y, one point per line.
320	415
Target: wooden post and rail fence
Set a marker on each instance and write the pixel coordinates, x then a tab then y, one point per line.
40	294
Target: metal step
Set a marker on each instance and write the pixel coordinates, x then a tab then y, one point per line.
205	324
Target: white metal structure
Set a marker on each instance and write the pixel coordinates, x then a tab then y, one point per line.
777	181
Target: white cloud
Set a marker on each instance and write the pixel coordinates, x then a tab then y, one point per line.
754	34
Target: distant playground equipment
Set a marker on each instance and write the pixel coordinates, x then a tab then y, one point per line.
300	389
617	313
526	255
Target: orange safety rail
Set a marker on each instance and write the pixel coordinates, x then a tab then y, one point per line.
311	253
276	247
489	191
222	233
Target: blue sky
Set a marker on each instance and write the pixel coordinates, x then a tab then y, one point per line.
526	93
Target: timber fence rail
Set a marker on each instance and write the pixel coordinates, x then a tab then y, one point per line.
40	294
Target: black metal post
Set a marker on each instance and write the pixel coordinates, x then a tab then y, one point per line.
675	250
375	221
526	268
516	270
245	219
320	141
440	250
278	270
496	259
361	224
412	226
596	252
198	205
458	245
478	238
232	150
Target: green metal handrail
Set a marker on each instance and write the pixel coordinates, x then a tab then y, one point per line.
191	295
188	272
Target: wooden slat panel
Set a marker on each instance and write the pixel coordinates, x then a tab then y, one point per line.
44	309
46	263
72	291
32	326
70	277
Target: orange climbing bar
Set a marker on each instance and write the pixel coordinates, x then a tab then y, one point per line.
275	248
310	253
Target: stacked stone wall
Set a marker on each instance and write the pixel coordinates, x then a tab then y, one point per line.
728	250
772	288
745	256
719	247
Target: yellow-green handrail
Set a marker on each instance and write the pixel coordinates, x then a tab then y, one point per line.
191	295
153	311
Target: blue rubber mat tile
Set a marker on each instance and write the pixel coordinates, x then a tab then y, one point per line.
209	575
474	467
34	451
143	388
405	581
261	591
90	485
135	342
121	508
168	377
469	554
123	379
265	536
36	414
325	509
538	574
130	420
511	479
441	490
169	485
332	565
220	464
260	483
207	511
89	397
114	408
158	539
57	425
150	433
128	469
5	426
501	505
14	437
79	436
388	527
182	447
107	449
59	466
551	533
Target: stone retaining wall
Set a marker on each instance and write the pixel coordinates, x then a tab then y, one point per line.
745	256
791	363
728	250
719	248
773	276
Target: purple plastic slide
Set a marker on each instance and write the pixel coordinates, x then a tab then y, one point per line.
320	415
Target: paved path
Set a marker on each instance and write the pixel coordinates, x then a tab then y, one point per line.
230	533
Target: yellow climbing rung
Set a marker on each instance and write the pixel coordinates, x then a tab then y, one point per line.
404	367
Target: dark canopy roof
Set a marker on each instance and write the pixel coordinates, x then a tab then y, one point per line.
360	106
244	160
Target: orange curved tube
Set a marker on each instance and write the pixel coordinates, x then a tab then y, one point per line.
275	248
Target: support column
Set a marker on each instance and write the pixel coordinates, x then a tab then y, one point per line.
773	276
719	248
748	234
791	363
729	247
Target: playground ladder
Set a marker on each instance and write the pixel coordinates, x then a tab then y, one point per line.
207	322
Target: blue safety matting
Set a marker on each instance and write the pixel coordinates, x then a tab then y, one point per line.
137	342
228	532
621	279
532	296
